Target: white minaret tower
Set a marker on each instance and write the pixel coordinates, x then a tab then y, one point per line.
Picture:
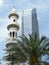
12	27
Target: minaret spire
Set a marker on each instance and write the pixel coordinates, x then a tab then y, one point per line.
13	10
13	6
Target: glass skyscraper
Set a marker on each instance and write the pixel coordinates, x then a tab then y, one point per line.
29	22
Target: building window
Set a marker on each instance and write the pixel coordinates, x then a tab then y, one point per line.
13	34
14	20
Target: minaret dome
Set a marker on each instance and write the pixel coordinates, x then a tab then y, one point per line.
13	13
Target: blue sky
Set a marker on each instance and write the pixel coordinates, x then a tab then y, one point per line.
6	6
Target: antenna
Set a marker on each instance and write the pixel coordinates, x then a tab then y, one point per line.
13	6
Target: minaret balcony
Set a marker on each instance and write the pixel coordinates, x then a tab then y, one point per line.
14	14
13	24
11	40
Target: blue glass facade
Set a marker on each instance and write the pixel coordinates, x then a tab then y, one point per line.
29	22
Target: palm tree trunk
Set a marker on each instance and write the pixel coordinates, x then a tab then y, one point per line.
33	61
34	64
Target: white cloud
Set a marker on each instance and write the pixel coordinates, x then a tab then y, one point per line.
1	2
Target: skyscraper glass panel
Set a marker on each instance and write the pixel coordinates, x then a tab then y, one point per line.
29	22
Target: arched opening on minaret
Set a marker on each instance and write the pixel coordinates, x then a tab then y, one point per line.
13	34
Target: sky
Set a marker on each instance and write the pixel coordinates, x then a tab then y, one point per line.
42	7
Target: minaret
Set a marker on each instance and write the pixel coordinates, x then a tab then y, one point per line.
12	27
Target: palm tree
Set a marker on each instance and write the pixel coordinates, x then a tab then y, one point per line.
33	48
29	49
14	55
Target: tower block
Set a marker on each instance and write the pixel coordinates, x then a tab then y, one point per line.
13	28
